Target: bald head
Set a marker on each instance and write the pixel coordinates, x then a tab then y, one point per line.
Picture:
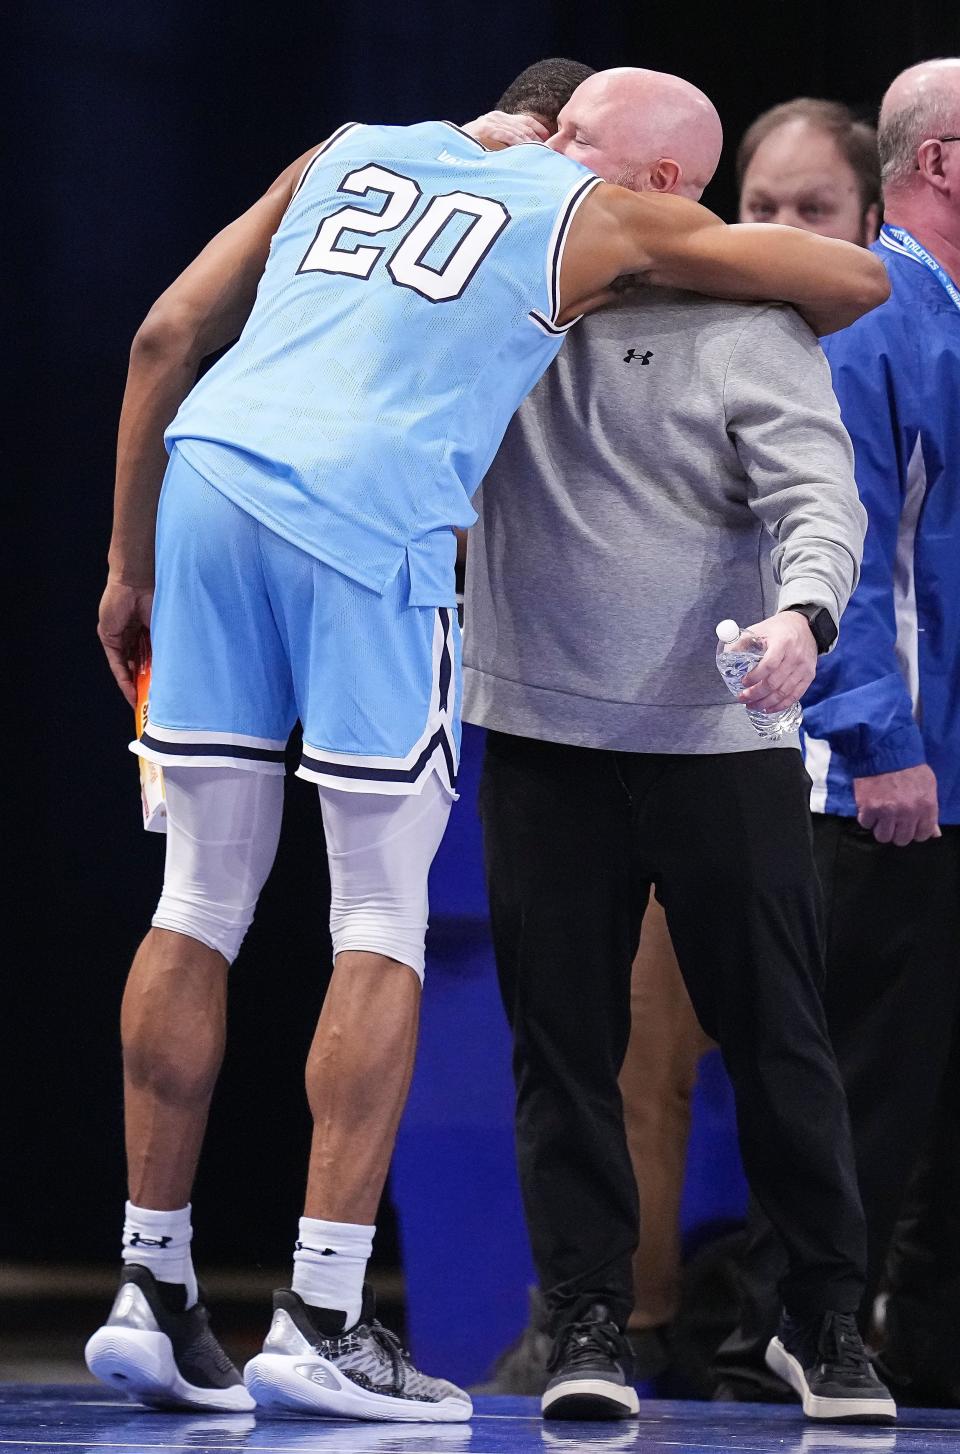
921	105
642	129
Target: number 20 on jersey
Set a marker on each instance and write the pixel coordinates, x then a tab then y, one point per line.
485	219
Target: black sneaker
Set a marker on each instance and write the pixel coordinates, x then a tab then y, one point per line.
591	1371
154	1349
823	1360
311	1364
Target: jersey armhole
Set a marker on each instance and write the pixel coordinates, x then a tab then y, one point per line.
328	145
555	249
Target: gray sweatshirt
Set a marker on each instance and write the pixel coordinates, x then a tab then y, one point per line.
682	461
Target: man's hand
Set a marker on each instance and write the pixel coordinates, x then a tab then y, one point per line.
497	129
124	616
787	667
899	807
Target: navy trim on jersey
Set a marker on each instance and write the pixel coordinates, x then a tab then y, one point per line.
332	140
556	330
211	749
572	204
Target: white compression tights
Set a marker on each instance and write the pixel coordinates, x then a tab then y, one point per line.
223	825
380	850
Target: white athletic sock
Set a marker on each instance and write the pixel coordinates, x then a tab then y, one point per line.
160	1241
329	1264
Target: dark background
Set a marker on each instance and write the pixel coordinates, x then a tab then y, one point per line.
139	129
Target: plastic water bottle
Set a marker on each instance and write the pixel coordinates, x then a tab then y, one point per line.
737	654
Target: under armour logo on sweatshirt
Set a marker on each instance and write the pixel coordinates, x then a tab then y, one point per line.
137	1239
631	354
317	1251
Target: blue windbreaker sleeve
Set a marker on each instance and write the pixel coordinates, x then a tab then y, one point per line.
859	701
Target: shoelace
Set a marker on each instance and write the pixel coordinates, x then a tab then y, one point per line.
394	1349
582	1342
840	1346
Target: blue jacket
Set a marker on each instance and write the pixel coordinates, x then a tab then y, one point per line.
888	696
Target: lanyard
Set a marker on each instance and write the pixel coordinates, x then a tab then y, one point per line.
910	245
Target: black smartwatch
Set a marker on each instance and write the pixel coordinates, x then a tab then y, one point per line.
821	623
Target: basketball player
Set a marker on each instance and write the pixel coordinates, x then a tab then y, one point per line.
399	290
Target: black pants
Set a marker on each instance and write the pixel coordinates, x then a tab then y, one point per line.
892	998
573	839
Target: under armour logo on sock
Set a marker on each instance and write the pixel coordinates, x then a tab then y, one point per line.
631	354
138	1240
317	1251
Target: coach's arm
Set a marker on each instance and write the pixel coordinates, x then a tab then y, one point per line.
782	417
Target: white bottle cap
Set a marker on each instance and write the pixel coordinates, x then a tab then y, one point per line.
728	631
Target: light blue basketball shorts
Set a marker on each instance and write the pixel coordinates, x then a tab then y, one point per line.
249	633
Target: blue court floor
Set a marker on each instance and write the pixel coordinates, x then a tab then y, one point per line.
51	1419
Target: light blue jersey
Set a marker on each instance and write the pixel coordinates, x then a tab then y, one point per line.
408	304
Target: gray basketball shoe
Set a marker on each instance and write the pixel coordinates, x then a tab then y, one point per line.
311	1364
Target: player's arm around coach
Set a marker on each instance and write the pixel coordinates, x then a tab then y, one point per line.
666	240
